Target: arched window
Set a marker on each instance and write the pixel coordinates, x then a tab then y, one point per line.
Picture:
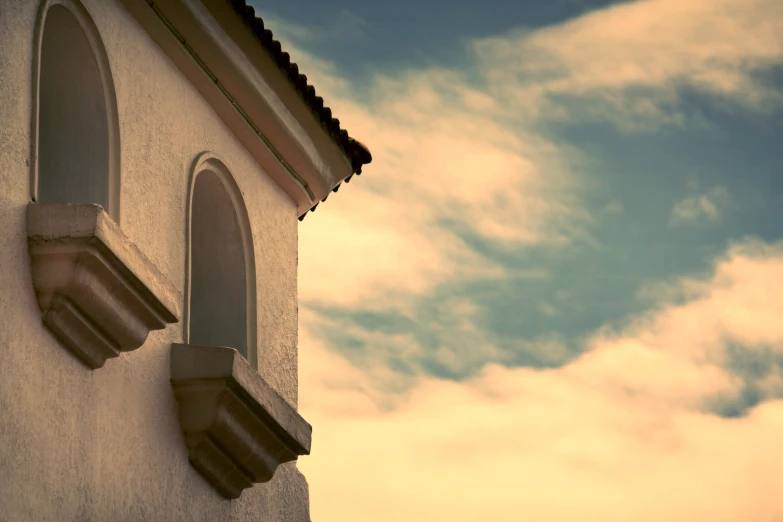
221	268
75	123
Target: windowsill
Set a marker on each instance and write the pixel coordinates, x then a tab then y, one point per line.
238	429
99	295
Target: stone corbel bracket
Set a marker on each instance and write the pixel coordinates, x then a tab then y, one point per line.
98	293
237	429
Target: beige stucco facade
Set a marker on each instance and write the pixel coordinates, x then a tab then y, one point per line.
106	444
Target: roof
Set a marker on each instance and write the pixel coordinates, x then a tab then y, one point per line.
356	151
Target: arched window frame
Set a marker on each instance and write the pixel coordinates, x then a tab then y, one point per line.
210	162
92	34
77	250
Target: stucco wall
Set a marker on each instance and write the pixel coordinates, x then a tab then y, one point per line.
106	445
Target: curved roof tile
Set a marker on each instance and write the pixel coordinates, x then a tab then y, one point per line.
356	151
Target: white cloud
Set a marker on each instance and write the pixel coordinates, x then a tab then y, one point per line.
434	163
701	207
447	150
620	433
630	58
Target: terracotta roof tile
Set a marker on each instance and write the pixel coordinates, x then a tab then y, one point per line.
356	151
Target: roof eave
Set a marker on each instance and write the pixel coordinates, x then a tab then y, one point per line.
253	92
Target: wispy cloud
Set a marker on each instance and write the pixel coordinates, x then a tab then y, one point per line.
614	207
448	149
632	59
701	207
436	161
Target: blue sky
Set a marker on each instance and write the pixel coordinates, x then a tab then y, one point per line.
365	36
554	184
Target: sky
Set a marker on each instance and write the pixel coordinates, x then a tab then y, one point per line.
556	294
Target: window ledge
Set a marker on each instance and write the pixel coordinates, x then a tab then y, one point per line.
238	430
98	293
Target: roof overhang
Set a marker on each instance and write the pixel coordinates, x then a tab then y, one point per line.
216	50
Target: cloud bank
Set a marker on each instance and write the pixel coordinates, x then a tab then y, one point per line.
643	426
676	415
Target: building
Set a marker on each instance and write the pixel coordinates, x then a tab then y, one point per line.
156	156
